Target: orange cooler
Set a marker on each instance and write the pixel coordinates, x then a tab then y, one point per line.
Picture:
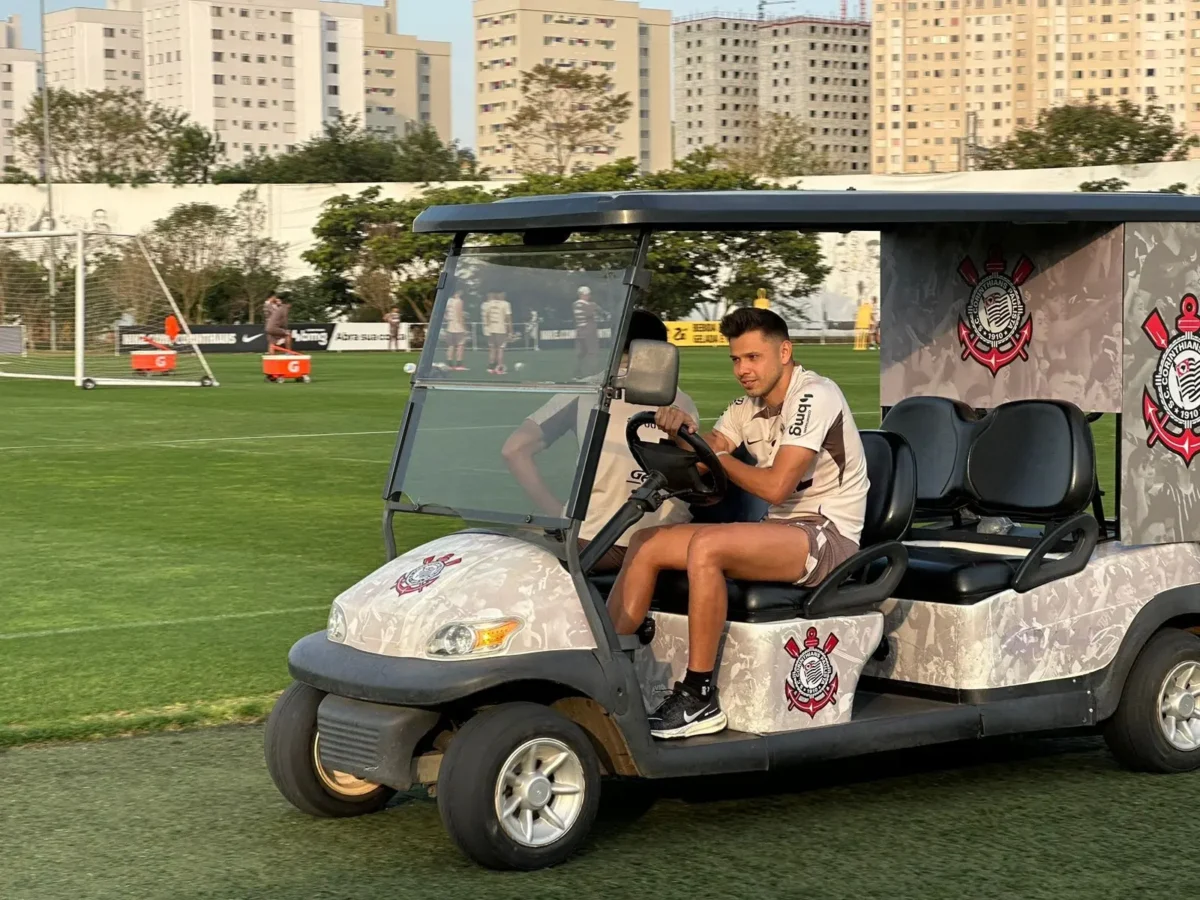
291	366
152	362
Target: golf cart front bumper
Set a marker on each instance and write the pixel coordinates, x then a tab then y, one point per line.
404	681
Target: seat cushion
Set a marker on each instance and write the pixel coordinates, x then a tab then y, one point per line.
952	575
748	600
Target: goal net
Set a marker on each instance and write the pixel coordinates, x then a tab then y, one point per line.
91	308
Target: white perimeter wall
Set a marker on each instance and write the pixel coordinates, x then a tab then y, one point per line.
293	209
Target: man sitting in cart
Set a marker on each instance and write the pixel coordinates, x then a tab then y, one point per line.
617	473
808	464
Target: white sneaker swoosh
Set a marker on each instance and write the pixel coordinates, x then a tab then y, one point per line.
688	720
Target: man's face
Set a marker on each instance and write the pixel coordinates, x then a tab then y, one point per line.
758	361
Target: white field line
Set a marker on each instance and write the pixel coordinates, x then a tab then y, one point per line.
158	623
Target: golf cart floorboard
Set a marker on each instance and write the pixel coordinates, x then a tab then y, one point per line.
882	722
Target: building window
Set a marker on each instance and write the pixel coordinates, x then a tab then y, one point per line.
218	57
331	47
110	32
218	34
332	90
331	68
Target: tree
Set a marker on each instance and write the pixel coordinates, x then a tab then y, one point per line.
1093	135
1104	186
256	261
114	137
367	245
777	146
192	247
422	156
564	114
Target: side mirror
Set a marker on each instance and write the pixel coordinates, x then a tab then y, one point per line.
652	378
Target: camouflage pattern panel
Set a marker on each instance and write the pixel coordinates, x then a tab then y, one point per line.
1160	501
466	577
780	676
1073	626
997	313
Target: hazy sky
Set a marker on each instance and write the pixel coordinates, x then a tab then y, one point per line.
450	20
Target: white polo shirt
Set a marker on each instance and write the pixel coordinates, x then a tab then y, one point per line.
814	415
617	474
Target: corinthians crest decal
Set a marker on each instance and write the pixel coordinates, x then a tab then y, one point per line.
995	327
430	570
813	682
1173	416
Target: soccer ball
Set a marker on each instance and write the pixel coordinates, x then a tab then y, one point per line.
519	366
410	367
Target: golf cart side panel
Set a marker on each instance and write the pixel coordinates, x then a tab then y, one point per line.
1160	500
466	577
1073	626
993	313
784	676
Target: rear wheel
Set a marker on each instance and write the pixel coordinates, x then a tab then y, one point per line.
1156	727
293	751
519	787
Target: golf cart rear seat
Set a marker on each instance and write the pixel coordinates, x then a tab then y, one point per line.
1029	460
892	470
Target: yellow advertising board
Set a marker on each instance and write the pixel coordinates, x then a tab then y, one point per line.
696	334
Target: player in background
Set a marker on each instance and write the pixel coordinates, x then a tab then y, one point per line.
532	329
497	326
587	333
456	332
278	333
393	323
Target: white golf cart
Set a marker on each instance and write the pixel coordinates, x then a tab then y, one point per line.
994	593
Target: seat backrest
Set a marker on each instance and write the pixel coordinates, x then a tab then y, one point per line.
891	498
1035	461
940	432
1031	460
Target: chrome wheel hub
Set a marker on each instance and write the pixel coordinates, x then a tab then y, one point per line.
1179	714
539	792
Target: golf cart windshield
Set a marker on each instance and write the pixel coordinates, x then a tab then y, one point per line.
516	334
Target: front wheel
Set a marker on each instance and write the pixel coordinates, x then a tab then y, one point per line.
293	751
1156	727
519	787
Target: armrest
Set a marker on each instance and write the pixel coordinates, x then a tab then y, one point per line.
837	594
1036	570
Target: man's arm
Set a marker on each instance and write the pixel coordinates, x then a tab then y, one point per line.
776	482
519	451
671	418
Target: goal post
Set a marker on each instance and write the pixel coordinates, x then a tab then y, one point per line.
92	308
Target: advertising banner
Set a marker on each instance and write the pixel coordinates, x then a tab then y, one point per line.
365	336
696	334
230	338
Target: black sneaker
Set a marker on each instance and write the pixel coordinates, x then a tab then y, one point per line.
686	714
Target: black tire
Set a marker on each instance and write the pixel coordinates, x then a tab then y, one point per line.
288	744
1134	734
472	766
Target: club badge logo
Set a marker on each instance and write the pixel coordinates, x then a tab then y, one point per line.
995	328
813	682
416	580
1173	410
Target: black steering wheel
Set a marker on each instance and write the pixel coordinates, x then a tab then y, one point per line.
679	466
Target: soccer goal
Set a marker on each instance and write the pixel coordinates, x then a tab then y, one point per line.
93	309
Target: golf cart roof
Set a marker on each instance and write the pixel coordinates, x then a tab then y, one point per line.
780	209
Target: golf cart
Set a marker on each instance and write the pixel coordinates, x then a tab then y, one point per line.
998	590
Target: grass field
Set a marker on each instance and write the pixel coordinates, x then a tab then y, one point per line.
161	551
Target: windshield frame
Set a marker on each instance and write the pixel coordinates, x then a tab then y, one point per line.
635	283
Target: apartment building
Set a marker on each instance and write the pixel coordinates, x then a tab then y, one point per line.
407	80
730	72
20	74
618	38
716	81
95	49
954	76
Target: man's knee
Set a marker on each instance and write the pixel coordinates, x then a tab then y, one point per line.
704	549
640	538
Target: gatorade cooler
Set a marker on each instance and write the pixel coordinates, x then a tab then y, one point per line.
291	367
152	362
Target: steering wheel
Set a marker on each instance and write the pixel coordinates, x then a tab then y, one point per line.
679	466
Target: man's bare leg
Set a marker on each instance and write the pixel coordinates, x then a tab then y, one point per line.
650	551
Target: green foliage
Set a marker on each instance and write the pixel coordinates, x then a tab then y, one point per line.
1104	186
1092	134
777	147
563	113
114	137
345	153
365	243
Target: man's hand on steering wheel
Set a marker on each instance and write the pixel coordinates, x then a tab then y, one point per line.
671	418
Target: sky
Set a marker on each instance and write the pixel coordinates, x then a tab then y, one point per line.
451	20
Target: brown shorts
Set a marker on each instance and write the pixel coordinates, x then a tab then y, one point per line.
454	338
828	548
610	561
497	341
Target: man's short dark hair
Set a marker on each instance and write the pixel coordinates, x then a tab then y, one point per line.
645	326
750	318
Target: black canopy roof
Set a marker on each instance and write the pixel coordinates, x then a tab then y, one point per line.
808	210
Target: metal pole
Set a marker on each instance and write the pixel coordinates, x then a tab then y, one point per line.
80	311
49	179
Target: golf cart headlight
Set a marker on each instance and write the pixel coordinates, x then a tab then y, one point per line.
335	628
469	638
